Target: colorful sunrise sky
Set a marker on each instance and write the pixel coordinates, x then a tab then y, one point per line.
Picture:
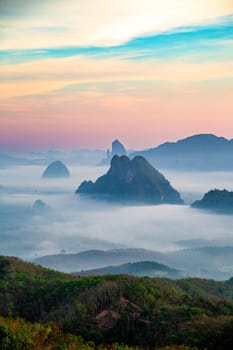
79	73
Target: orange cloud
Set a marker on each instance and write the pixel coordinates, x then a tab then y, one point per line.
50	75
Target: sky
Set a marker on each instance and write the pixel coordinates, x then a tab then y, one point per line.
78	74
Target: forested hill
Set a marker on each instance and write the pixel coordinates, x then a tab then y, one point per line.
125	309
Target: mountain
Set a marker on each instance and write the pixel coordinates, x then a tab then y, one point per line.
39	207
140	312
206	261
9	160
132	180
216	200
56	170
93	259
141	268
118	149
197	152
75	157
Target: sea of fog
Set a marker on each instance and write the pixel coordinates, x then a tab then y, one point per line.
73	223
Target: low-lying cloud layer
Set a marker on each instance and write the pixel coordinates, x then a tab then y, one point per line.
76	223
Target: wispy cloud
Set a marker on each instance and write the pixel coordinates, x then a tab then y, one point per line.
38	77
199	41
36	24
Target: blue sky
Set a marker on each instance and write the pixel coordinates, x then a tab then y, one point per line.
203	42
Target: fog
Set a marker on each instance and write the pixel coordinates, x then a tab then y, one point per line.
76	223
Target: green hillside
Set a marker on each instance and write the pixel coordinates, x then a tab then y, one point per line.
135	311
140	268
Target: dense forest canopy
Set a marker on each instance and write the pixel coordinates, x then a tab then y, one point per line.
118	309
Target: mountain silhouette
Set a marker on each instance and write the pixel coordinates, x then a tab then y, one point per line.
132	180
56	170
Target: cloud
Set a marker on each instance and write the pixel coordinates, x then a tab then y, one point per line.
98	22
193	43
41	77
77	224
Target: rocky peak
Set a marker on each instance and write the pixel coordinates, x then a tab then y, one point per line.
117	148
135	180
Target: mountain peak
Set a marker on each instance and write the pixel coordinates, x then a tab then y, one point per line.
196	152
117	148
132	180
220	200
207	139
56	169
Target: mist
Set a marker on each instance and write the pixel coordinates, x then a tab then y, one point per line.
73	223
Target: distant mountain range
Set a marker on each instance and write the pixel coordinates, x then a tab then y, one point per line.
8	160
207	261
203	152
132	180
94	259
198	152
141	268
75	157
